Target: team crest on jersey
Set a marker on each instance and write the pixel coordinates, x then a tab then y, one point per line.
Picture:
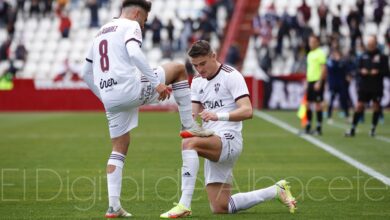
216	87
201	91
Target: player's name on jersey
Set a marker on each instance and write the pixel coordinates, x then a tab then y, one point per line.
49	84
107	30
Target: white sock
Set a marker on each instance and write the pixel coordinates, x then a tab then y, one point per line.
114	179
241	201
189	172
182	94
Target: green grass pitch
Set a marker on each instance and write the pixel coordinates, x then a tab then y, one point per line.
53	167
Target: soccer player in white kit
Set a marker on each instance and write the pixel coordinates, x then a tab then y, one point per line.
221	98
118	73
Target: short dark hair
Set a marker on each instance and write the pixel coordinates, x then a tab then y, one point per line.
200	48
144	4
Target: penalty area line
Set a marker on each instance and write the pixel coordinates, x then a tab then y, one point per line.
318	143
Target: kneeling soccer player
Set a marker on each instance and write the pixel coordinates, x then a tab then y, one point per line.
221	98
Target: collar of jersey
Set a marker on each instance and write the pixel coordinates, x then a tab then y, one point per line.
219	70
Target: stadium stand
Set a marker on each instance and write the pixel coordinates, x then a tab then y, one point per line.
47	49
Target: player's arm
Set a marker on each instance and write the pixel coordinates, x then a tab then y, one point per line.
242	112
139	59
196	109
87	74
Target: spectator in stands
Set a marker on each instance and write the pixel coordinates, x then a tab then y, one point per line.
336	21
233	57
94	13
379	11
20	6
360	6
206	28
4	9
65	24
21	52
305	10
5	49
372	67
35	8
322	15
283	31
337	79
186	33
315	76
47	7
171	30
355	34
156	28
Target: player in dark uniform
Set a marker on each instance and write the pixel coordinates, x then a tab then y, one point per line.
372	67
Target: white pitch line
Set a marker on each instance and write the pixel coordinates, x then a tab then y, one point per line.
368	170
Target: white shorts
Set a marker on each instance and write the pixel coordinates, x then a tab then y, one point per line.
125	118
222	171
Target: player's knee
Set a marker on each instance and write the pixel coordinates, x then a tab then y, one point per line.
218	209
110	168
181	71
188	144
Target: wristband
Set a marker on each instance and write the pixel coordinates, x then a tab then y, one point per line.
223	116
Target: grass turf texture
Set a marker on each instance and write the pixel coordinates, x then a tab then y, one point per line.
53	167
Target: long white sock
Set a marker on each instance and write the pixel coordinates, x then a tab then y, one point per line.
241	201
182	94
189	172
114	179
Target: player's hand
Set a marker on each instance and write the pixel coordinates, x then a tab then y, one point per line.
317	86
364	71
208	116
163	91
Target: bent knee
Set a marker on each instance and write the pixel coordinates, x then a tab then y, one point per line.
188	144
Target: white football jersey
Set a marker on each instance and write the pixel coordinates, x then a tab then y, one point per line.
115	74
220	94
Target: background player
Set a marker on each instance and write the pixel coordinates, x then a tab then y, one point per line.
221	98
113	70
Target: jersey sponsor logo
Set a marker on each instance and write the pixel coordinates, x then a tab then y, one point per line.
107	83
213	104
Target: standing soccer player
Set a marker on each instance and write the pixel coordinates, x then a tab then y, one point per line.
315	77
118	73
221	98
372	67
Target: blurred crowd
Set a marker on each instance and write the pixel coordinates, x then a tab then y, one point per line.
273	30
203	27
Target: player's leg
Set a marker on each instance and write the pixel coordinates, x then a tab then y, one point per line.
310	99
222	202
114	174
330	106
318	107
120	123
176	75
192	148
375	117
362	98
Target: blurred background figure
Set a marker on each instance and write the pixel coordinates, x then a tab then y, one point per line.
337	79
372	67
